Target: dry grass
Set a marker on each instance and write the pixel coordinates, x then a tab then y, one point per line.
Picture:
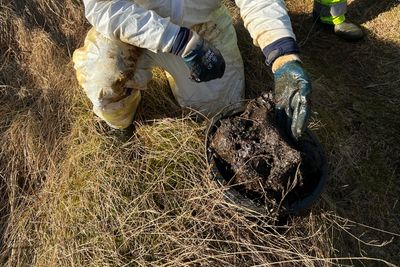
73	196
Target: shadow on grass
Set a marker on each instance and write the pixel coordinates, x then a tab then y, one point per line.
46	16
361	11
38	112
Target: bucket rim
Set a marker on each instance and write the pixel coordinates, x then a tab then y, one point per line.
234	196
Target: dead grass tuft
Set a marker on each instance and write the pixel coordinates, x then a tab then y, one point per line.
146	202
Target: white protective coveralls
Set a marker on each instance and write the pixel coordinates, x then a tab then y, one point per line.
112	79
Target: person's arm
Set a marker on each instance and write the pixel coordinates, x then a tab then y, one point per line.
270	27
128	22
132	24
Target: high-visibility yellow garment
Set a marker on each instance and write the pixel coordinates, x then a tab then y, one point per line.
112	79
330	11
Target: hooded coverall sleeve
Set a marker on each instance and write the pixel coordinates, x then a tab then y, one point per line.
128	22
266	20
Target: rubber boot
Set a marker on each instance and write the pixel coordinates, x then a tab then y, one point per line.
348	31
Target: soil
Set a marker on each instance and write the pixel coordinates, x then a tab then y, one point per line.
262	163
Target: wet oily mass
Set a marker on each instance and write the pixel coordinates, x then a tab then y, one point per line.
262	161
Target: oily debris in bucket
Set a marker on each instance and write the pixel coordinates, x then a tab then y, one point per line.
262	163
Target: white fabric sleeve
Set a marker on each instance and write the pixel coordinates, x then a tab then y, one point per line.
132	24
266	20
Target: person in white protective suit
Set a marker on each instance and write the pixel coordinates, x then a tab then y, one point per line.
195	43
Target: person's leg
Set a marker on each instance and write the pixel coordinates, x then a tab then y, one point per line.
105	70
332	12
209	97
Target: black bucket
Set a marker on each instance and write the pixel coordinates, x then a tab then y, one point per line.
296	205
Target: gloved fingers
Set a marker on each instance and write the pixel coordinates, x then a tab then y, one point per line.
305	88
301	109
205	62
302	120
283	109
301	115
292	91
295	104
206	67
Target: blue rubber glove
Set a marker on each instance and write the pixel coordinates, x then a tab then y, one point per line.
202	58
292	97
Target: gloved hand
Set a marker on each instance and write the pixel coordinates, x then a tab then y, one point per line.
203	59
292	97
